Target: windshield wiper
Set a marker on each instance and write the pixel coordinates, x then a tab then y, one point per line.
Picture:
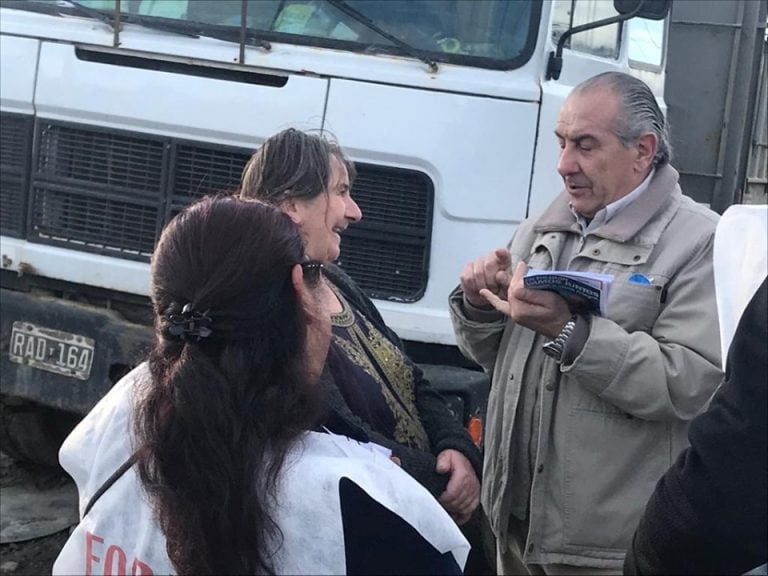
181	27
411	51
232	34
92	13
112	21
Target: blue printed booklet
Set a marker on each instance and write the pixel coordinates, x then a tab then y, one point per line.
584	291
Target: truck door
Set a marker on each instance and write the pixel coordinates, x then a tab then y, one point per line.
452	149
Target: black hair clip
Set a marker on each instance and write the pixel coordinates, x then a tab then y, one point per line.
189	324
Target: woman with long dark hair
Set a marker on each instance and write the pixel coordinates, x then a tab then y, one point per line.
203	460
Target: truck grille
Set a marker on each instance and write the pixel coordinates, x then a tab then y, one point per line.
387	252
15	151
110	192
97	191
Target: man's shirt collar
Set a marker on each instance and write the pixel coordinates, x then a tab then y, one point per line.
605	214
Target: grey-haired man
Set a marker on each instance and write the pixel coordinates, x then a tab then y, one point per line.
587	412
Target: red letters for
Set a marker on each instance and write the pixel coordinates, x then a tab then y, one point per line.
115	560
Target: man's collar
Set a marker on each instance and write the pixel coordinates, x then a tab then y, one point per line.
663	185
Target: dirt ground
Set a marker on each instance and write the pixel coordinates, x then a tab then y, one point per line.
31	557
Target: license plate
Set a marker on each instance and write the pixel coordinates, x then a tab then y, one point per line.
52	350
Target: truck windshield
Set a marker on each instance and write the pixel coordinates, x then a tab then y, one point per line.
497	34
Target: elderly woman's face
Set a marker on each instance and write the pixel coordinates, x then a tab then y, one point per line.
324	218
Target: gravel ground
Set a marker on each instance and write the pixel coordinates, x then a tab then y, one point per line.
31	557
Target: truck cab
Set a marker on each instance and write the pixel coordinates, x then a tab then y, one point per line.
117	113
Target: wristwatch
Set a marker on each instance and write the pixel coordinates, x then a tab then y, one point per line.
554	348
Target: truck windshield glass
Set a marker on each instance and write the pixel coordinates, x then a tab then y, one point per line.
486	33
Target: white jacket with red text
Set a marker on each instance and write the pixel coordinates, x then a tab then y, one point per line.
342	506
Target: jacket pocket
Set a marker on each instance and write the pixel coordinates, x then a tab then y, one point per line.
634	306
612	464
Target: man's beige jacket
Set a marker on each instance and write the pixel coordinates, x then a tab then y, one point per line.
611	422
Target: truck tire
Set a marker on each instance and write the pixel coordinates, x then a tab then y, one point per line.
33	433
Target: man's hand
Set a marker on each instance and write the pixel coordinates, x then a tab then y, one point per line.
490	272
462	494
543	311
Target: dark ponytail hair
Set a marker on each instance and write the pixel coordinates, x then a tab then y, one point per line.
221	411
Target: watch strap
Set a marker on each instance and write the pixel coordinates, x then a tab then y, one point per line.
554	348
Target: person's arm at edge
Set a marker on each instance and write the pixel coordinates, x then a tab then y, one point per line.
708	512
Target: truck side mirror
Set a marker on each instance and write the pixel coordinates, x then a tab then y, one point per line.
649	9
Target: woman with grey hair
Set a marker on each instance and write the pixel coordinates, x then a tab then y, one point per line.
369	380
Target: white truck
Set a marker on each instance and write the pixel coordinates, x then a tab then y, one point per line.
114	114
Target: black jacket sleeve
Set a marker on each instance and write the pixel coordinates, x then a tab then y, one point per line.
442	428
707	514
418	463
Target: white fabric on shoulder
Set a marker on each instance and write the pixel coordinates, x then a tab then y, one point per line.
88	453
741	264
